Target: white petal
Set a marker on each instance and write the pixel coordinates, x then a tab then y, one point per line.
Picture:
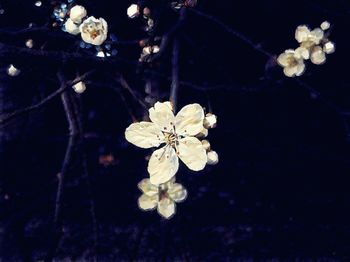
189	121
210	120
148	188
163	165
166	208
329	48
71	27
162	115
316	35
290	71
177	192
302	53
147	203
192	153
283	59
300	69
77	13
144	135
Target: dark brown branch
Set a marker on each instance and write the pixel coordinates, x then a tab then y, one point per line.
233	32
19	112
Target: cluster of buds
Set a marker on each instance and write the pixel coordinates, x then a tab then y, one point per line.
135	11
314	45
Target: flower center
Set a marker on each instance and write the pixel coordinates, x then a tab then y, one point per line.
171	139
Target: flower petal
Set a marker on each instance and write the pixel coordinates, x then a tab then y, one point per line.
163	165
192	153
147	203
189	121
166	208
144	135
177	192
302	33
147	188
162	115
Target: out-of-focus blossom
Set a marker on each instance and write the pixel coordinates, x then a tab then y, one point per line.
213	158
77	13
79	87
29	43
210	121
329	47
163	197
318	56
292	63
71	27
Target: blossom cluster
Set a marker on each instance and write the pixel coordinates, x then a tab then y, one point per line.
314	45
182	137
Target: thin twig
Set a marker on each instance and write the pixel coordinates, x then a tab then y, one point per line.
175	74
235	33
43	102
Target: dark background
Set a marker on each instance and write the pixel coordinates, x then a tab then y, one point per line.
280	190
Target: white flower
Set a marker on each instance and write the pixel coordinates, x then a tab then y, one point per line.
71	27
29	43
79	87
318	57
177	133
94	31
308	38
13	71
162	197
210	120
77	13
213	158
133	11
292	63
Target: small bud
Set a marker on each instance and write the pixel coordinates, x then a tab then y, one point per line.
71	27
146	12
77	13
325	25
210	121
329	48
29	43
206	145
13	71
133	11
213	158
79	87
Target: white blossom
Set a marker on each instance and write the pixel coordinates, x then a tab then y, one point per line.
306	37
292	63
29	43
79	87
71	27
13	71
329	47
318	56
77	13
325	25
162	197
94	31
133	11
177	133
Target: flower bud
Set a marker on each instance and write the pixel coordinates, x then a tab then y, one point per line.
77	13
210	121
213	158
206	145
79	87
133	11
13	71
71	27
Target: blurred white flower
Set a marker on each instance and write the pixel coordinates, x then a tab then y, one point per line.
71	27
162	197
177	133
308	38
213	158
94	31
292	63
77	13
318	57
133	11
13	71
79	87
